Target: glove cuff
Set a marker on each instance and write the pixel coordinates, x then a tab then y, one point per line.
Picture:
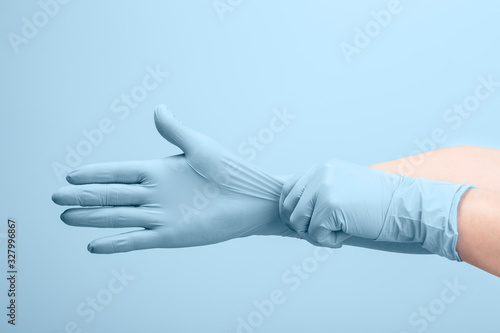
425	211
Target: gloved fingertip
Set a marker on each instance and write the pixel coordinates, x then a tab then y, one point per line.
160	107
173	129
63	216
70	177
161	110
166	123
56	198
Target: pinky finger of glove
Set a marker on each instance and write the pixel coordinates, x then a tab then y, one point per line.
125	242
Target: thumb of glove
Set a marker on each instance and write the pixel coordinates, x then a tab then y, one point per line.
176	132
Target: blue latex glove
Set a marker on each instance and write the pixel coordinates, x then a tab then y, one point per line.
204	196
337	200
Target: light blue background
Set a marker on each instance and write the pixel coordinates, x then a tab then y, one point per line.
226	77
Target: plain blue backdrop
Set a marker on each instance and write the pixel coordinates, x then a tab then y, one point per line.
230	64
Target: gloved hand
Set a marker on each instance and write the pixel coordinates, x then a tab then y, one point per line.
204	196
333	202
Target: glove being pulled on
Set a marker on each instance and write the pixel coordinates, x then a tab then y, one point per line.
333	202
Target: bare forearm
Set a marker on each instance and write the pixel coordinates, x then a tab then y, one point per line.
471	165
479	230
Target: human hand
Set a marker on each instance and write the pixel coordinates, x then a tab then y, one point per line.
204	196
337	200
